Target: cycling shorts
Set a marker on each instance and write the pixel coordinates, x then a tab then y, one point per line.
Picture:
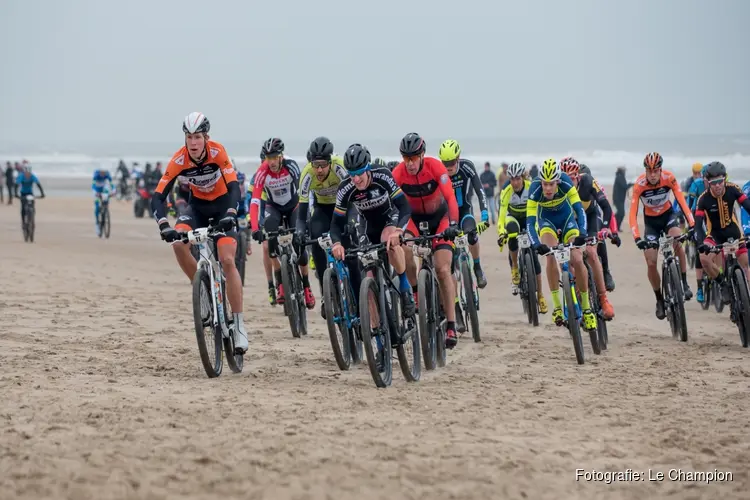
657	225
720	236
558	222
437	224
468	223
201	213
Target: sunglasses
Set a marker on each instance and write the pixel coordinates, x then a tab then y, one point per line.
449	164
320	164
410	159
361	171
716	182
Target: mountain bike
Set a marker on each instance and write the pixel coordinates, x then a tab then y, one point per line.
527	289
739	303
432	320
596	307
211	310
572	312
383	326
291	280
468	292
671	285
341	309
28	221
103	221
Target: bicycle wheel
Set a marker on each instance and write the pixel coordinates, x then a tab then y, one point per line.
706	287
427	318
376	341
594	305
299	294
336	320
25	227
678	302
290	302
209	342
470	306
408	349
690	252
573	326
531	291
240	257
716	295
235	361
106	228
355	336
440	333
31	224
743	302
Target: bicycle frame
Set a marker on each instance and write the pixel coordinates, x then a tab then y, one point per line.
562	256
203	239
342	273
462	255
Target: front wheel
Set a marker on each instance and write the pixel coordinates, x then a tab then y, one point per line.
408	350
594	305
529	276
677	300
291	303
706	287
106	227
470	306
743	306
573	326
376	340
207	332
240	257
336	320
428	326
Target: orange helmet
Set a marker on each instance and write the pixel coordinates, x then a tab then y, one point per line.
570	166
653	161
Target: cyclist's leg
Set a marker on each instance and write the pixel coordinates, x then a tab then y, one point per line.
303	259
189	220
592	229
267	264
271	223
548	236
443	261
513	228
570	232
320	223
411	266
673	229
97	210
653	228
469	227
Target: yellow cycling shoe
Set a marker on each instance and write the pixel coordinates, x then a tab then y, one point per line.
557	316
589	320
515	276
312	263
542	304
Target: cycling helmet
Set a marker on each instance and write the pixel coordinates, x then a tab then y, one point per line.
378	163
550	171
697	167
357	159
273	147
449	151
653	161
584	169
196	123
262	155
412	145
517	169
715	169
320	149
240	177
570	166
391	165
308	155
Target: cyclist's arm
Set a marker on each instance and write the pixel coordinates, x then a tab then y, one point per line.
162	190
404	209
503	212
338	221
633	215
700	215
446	189
93	185
39	185
258	186
575	201
305	182
603	202
477	185
229	174
681	201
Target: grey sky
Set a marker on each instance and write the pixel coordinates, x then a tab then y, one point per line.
102	70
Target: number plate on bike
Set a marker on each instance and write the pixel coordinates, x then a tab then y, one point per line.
242	222
29	197
732	248
199	235
462	241
285	240
369	258
325	242
562	255
422	251
523	241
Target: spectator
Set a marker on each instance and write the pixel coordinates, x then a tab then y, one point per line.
619	193
10	181
489	183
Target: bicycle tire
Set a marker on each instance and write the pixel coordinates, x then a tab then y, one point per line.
441	351
337	331
718	302
690	252
355	336
596	308
32	225
25	228
202	280
410	368
427	319
743	301
470	307
573	326
680	318
706	287
290	306
381	380
106	223
235	361
240	258
301	306
531	291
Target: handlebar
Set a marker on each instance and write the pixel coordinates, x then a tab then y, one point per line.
665	240
732	245
200	235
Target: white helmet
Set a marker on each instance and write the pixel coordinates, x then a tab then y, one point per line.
517	169
196	123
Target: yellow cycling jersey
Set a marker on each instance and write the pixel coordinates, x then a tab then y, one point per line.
512	203
565	197
325	190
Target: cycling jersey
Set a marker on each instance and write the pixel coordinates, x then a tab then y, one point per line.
719	213
430	191
281	188
26	184
589	191
554	214
325	190
209	179
744	214
513	204
656	199
100	181
381	203
463	180
696	189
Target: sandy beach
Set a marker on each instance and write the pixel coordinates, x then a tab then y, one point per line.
104	395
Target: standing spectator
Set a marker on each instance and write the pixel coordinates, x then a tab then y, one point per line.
619	193
10	180
488	183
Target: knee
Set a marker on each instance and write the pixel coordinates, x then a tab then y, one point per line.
227	261
443	271
473	238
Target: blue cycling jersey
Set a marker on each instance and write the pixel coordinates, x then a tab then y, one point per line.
744	216
100	181
26	183
696	189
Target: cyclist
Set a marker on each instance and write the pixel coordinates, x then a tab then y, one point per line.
267	265
25	182
511	220
696	189
464	178
379	163
214	195
180	195
654	187
601	248
278	177
391	165
102	180
555	206
383	214
592	196
716	207
319	183
427	186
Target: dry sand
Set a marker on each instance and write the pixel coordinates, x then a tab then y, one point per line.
104	395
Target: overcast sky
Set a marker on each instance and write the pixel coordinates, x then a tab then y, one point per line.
103	70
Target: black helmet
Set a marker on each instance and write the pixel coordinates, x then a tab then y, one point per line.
378	163
715	169
584	169
273	147
356	158
412	144
262	154
391	165
309	156
320	149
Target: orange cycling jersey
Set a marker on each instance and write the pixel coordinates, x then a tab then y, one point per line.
208	180
656	200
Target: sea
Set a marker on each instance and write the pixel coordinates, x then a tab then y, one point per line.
602	155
